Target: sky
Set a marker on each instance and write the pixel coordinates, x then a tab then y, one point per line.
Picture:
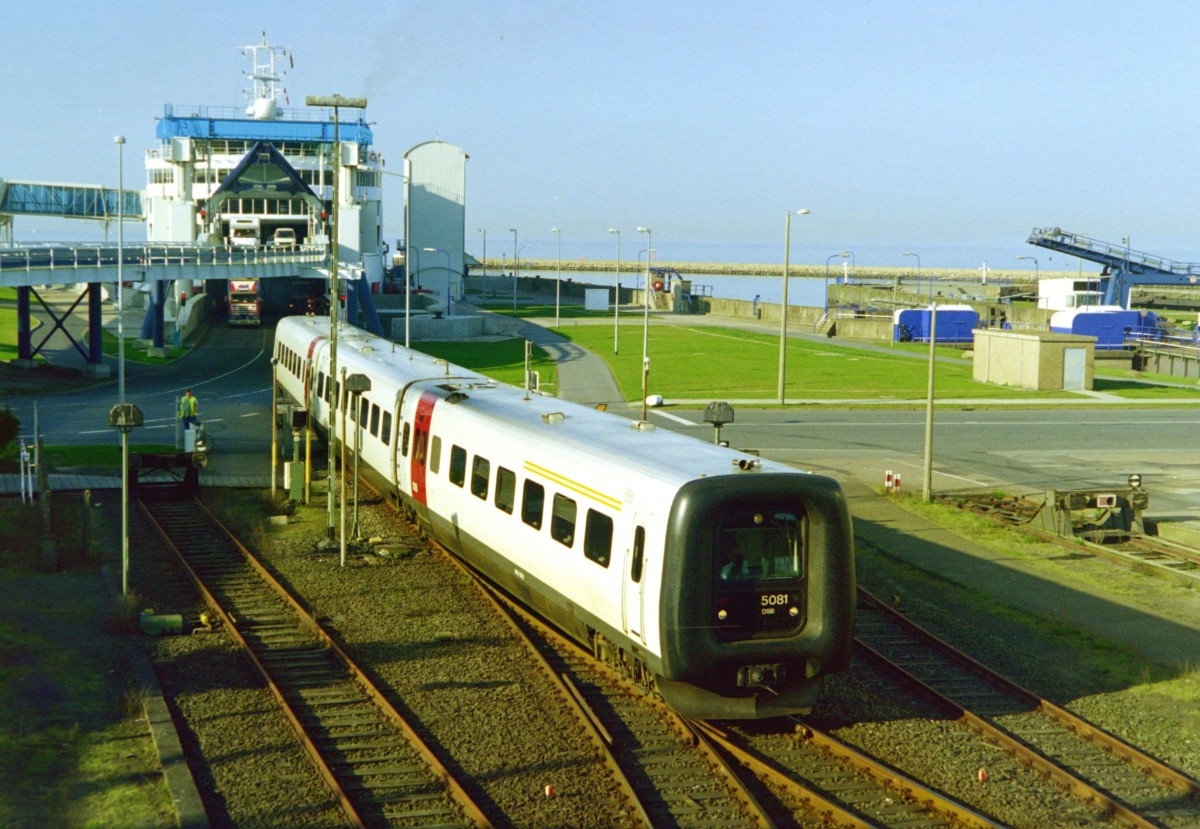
901	125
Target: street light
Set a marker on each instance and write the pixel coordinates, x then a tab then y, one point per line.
927	474
558	281
919	276
617	294
483	258
1037	272
513	231
335	101
783	310
120	142
448	273
517	271
646	320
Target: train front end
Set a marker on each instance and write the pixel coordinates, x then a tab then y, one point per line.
758	596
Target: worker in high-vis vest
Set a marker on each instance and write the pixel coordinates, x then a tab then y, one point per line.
189	409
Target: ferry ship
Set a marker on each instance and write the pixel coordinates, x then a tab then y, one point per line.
264	176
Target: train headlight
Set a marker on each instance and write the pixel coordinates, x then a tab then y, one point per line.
722	614
793	611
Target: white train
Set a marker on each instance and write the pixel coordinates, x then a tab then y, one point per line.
723	581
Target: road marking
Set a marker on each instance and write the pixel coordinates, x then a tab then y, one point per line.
252	414
676	418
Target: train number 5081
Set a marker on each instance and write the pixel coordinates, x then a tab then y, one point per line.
774	599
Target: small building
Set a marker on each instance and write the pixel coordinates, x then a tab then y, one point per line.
955	324
1111	325
1034	360
1067	294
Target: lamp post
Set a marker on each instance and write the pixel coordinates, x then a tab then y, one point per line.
120	142
646	321
828	259
617	295
335	101
919	276
558	280
513	231
1037	272
517	271
483	258
927	476
783	309
448	273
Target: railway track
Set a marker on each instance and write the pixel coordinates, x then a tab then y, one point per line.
380	771
669	775
677	771
1120	781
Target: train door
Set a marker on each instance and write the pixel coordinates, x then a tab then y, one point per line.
420	447
633	577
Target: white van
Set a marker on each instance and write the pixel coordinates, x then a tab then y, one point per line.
285	237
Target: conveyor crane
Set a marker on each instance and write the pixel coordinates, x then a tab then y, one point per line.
1123	267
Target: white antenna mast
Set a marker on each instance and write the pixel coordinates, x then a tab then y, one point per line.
266	76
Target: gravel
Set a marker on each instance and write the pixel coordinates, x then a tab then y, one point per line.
428	641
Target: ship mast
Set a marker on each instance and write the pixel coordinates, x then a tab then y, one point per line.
266	77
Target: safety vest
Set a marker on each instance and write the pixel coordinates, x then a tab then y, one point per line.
187	406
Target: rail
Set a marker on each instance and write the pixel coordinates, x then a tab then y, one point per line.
1096	767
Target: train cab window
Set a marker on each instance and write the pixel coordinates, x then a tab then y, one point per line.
481	470
458	465
435	454
387	429
562	520
420	444
404	440
321	387
506	489
533	504
639	554
759	546
374	420
597	537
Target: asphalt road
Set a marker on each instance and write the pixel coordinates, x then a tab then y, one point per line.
1028	450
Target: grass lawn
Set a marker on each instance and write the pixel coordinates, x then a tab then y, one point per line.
689	362
503	360
74	747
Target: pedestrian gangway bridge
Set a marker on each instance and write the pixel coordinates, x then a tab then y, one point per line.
1123	268
65	201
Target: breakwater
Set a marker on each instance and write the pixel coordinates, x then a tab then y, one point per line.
546	267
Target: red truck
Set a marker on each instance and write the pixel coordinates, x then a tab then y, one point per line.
245	302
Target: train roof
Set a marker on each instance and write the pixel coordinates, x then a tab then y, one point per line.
570	430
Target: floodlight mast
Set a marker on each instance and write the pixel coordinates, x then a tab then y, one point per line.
335	101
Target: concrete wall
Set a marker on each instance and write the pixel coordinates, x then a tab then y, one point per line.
1029	360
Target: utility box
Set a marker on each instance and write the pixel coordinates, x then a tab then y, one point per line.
1034	360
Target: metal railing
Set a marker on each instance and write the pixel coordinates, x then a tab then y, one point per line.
83	256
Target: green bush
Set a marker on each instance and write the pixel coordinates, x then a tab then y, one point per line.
10	427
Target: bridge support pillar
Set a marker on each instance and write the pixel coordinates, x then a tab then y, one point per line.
160	296
96	366
24	330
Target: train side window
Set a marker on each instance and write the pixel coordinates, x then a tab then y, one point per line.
386	434
506	489
435	454
639	554
458	465
562	520
533	504
404	440
597	537
481	470
364	406
374	420
321	387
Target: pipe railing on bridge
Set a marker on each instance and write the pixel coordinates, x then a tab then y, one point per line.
83	256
